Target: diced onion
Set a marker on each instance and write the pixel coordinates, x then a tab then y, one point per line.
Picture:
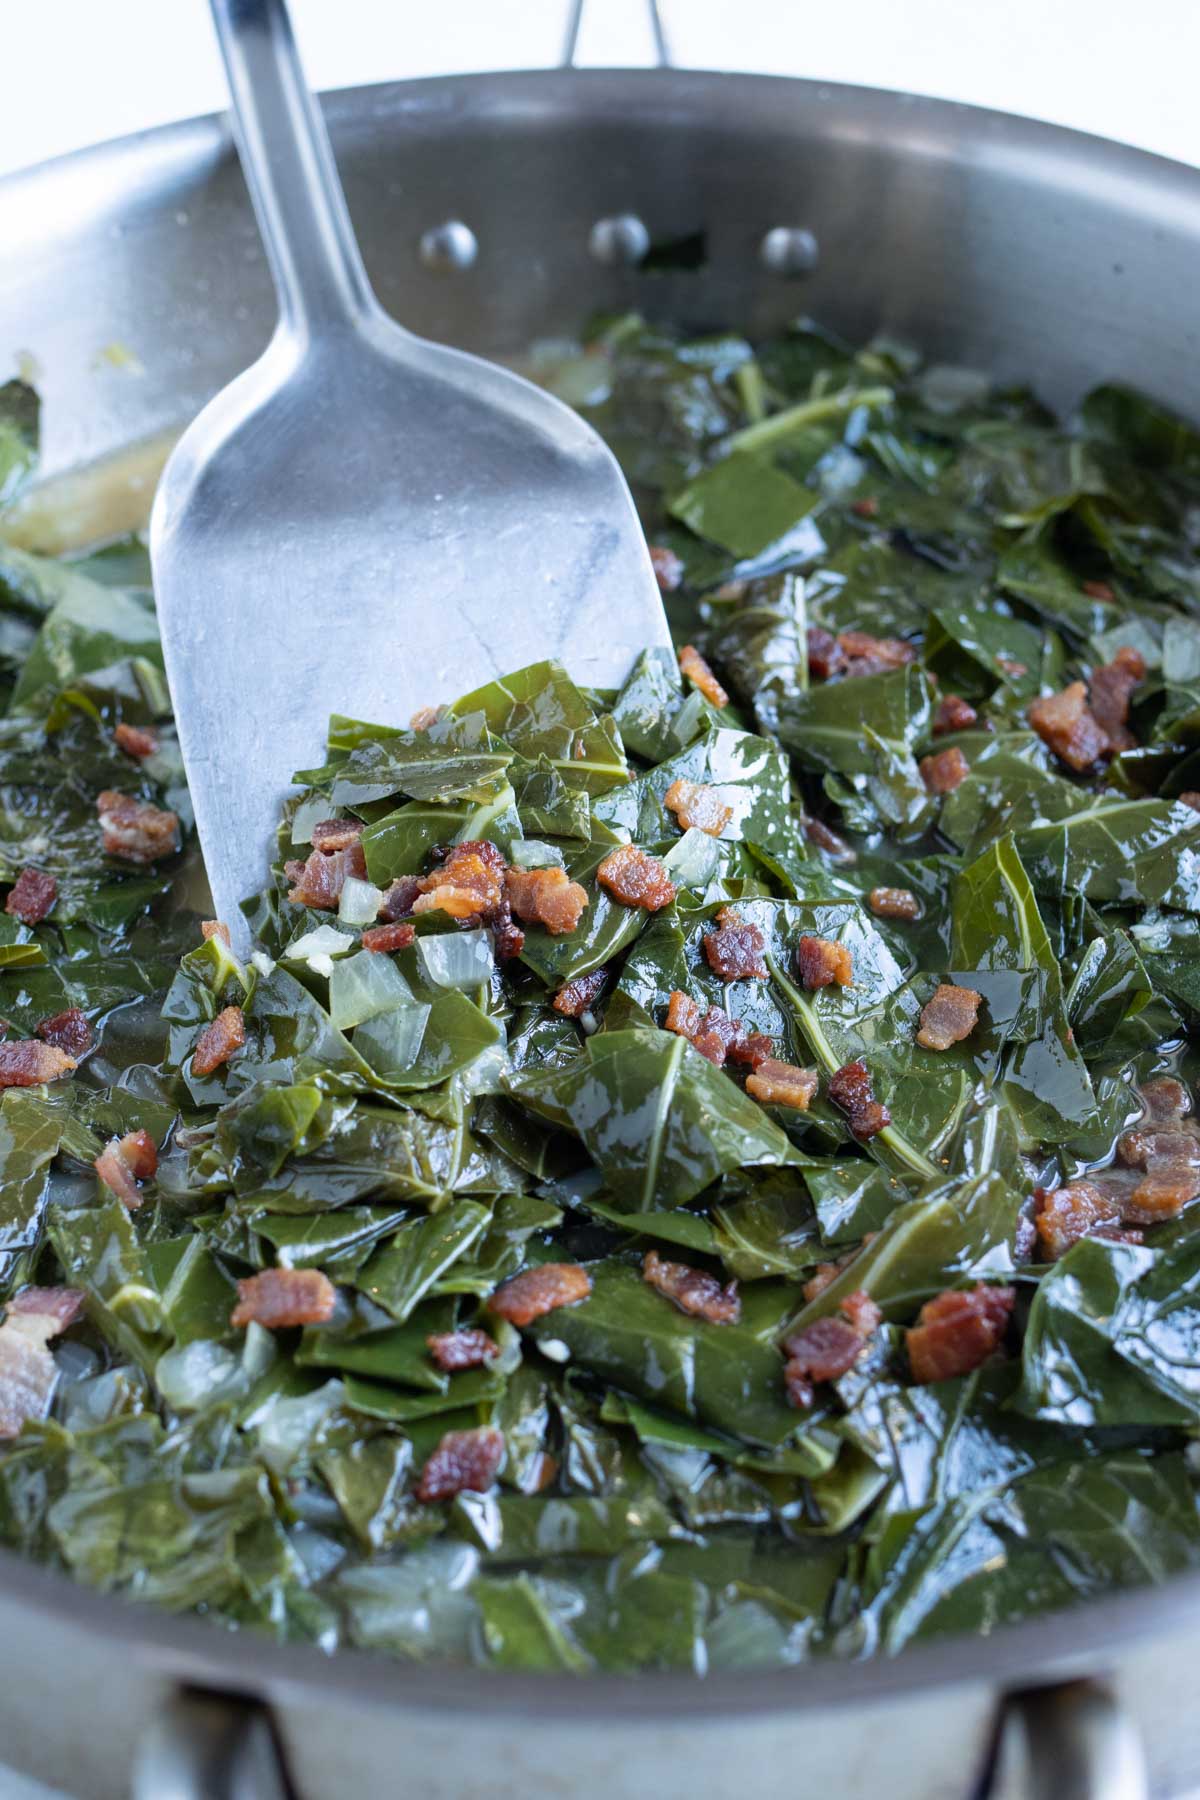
359	902
532	853
456	959
391	1042
362	986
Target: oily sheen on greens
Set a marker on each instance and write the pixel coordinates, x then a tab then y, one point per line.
422	1126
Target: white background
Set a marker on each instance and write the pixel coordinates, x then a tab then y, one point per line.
75	71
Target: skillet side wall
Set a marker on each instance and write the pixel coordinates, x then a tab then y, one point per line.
991	241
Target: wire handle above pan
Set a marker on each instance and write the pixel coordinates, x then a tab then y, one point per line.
662	49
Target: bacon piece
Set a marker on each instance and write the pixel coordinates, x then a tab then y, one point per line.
1162	1194
821	962
668	569
829	1348
754	1051
543	1289
1110	690
397	902
336	834
944	770
218	1041
825	655
135	740
1064	1215
850	1089
463	1349
1149	1149
32	895
213	928
464	1462
125	1162
865	508
827	1272
27	1369
1098	590
575	998
318	882
692	1290
281	1297
424	717
133	830
698	806
696	670
818	833
1190	798
546	897
635	878
869	655
949	1016
1166	1098
713	1033
894	903
389	937
468	884
67	1031
1066	723
27	1062
782	1084
956	1331
953	714
734	951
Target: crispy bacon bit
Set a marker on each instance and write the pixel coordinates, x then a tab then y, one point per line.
389	937
424	717
397	902
218	1041
280	1297
26	1062
782	1084
135	740
818	833
668	568
944	770
577	997
463	1349
1064	1215
829	1348
319	881
1149	1149
825	655
735	949
865	508
1066	723
827	1272
894	903
1110	689
133	830
635	878
753	1052
694	668
821	962
544	1289
1098	590
213	928
546	897
1190	797
713	1033
697	806
1161	1195
869	655
468	884
953	714
949	1016
27	1369
957	1331
693	1291
32	895
67	1031
1166	1098
850	1088
464	1462
124	1162
336	834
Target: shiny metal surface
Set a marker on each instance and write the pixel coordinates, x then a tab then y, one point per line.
1080	1744
363	522
991	241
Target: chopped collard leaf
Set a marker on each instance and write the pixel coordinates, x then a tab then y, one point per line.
696	1175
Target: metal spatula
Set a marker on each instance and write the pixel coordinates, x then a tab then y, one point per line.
363	522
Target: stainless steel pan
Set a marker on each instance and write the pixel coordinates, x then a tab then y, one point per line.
482	205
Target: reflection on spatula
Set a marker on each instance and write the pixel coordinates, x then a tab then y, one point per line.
363	522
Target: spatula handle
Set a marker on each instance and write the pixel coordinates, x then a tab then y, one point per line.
290	171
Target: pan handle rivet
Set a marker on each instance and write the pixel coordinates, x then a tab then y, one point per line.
623	239
450	246
789	250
